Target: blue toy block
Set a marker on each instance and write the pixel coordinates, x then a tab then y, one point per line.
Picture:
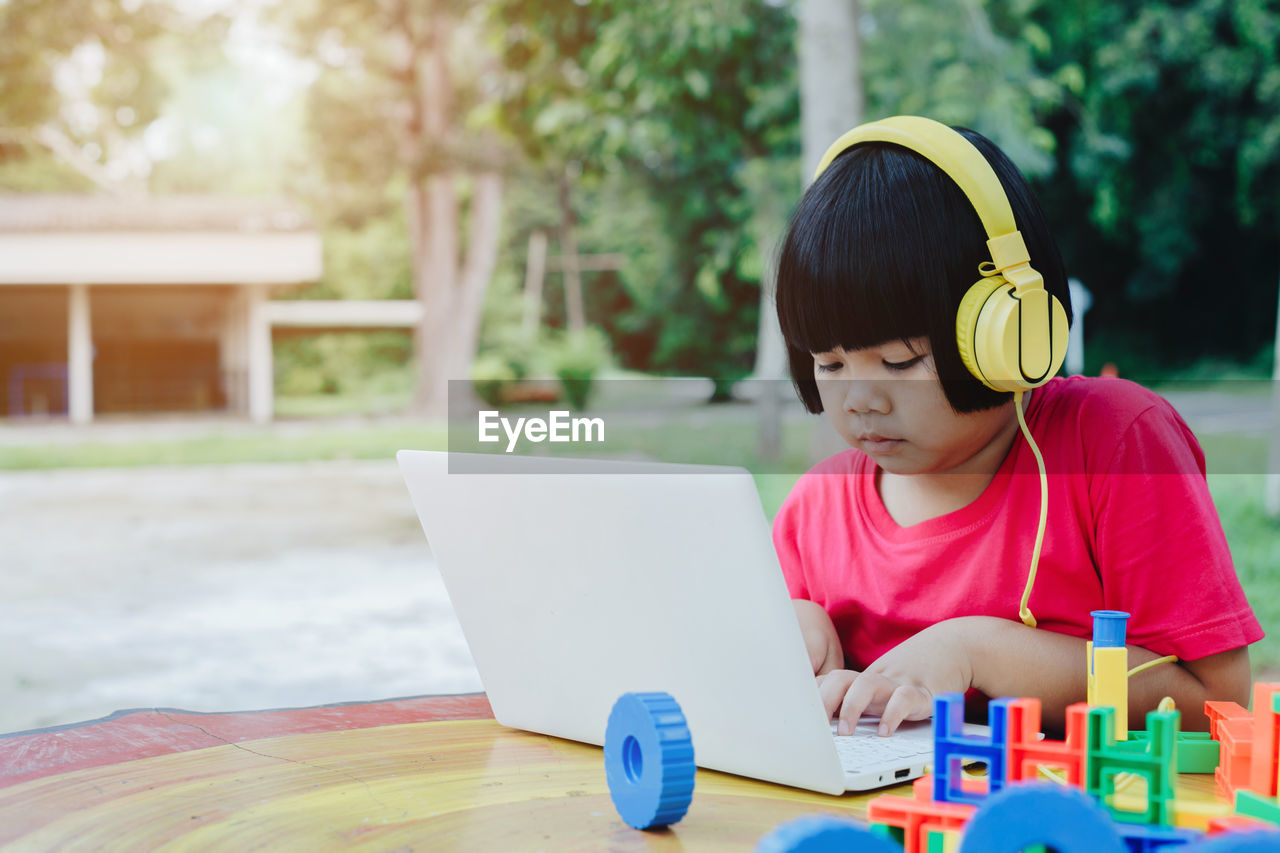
1155	763
648	760
951	746
1065	820
1143	838
824	834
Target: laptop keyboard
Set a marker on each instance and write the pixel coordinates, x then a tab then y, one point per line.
859	751
913	744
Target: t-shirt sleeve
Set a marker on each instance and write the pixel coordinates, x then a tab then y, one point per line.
1162	554
786	542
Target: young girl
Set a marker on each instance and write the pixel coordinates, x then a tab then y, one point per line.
909	555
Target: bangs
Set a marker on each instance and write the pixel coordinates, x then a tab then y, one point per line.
875	251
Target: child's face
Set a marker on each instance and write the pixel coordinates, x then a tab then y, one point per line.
887	401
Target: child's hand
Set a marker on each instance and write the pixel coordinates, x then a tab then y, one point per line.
901	684
820	638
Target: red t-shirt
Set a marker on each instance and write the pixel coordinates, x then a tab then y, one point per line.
1131	527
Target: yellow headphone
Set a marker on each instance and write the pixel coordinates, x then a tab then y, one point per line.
1012	334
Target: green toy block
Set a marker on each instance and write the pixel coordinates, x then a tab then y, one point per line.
1196	752
1153	761
893	833
1255	805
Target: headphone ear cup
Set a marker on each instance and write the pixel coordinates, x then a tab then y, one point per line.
967	323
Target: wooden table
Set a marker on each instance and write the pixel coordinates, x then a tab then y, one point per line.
425	773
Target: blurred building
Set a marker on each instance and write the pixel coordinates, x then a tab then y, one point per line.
160	304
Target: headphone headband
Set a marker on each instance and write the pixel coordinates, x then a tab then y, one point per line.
947	150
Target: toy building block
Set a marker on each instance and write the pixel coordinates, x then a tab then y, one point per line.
1236	823
1197	752
1108	659
1249	741
1232	727
1027	753
951	746
1143	838
1266	739
1257	806
919	816
1155	764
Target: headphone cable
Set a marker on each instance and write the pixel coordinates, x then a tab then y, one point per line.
1024	612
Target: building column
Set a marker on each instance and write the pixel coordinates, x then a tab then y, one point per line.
79	356
261	379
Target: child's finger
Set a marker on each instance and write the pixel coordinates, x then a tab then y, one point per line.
908	702
869	691
832	688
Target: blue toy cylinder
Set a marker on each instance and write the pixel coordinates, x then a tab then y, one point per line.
1108	628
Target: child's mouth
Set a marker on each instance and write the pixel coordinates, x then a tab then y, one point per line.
877	443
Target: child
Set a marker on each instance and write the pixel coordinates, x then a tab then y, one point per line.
907	555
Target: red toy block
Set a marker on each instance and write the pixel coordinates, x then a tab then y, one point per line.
1027	753
1232	727
919	816
1266	740
1236	823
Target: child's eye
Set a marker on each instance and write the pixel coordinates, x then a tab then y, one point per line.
831	367
902	365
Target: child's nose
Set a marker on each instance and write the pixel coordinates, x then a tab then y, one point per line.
863	395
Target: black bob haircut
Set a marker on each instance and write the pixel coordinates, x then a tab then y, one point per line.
882	247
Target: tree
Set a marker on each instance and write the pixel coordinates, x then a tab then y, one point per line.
80	86
396	105
678	99
1167	152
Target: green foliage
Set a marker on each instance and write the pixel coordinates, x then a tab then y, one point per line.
656	99
948	61
575	358
1168	147
337	363
1255	548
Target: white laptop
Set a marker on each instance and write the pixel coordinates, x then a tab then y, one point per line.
576	581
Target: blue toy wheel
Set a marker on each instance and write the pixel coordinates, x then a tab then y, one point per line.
824	834
648	760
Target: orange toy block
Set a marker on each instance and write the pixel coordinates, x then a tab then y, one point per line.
1266	740
1232	727
919	816
1027	754
1248	743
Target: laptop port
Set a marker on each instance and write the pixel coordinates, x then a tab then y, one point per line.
903	773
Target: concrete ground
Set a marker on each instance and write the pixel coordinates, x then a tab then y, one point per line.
217	588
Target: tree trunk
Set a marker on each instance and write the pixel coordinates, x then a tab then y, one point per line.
535	273
450	289
433	226
831	102
575	314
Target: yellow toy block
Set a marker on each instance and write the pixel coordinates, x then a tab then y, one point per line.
1109	683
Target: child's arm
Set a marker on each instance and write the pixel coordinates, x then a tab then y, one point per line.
1000	657
820	637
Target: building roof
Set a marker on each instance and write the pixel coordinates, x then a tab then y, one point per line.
71	213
